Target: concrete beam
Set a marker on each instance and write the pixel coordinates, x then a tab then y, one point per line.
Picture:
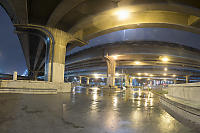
108	21
193	19
63	8
38	53
132	70
17	10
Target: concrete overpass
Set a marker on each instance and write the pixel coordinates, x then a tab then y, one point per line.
47	27
134	58
58	24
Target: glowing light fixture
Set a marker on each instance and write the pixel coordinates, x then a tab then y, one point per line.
115	56
174	75
146	74
151	75
139	74
165	69
139	77
122	14
96	75
148	79
164	74
165	59
117	74
137	62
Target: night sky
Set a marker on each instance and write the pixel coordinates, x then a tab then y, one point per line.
11	54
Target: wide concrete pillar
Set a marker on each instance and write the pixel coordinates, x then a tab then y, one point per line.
174	81
131	81
80	79
88	81
187	78
57	55
127	80
111	64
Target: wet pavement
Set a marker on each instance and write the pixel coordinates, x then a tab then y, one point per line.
87	111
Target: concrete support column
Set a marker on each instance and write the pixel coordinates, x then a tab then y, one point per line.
127	80
187	78
88	81
58	64
131	81
56	41
111	64
174	81
56	74
35	74
80	79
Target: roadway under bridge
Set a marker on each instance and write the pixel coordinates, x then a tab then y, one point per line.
141	75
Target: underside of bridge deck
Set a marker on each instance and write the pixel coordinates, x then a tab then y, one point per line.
86	19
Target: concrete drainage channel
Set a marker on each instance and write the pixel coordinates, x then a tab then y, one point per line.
185	114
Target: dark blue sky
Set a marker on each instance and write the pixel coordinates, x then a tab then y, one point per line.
11	54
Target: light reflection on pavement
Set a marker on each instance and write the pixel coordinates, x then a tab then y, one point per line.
126	112
87	110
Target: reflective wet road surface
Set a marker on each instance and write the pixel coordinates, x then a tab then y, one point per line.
90	110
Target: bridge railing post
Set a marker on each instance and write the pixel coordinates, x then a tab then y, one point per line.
14	75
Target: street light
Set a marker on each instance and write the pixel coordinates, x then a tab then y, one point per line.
122	14
137	62
117	74
174	75
96	76
164	74
139	74
115	56
165	59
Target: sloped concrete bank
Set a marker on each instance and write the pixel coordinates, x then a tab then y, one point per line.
189	92
183	103
185	114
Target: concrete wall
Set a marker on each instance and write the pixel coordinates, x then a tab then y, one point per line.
189	91
33	87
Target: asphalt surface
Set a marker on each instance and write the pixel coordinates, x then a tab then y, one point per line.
87	111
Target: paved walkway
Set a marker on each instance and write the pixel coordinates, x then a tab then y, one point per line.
86	111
